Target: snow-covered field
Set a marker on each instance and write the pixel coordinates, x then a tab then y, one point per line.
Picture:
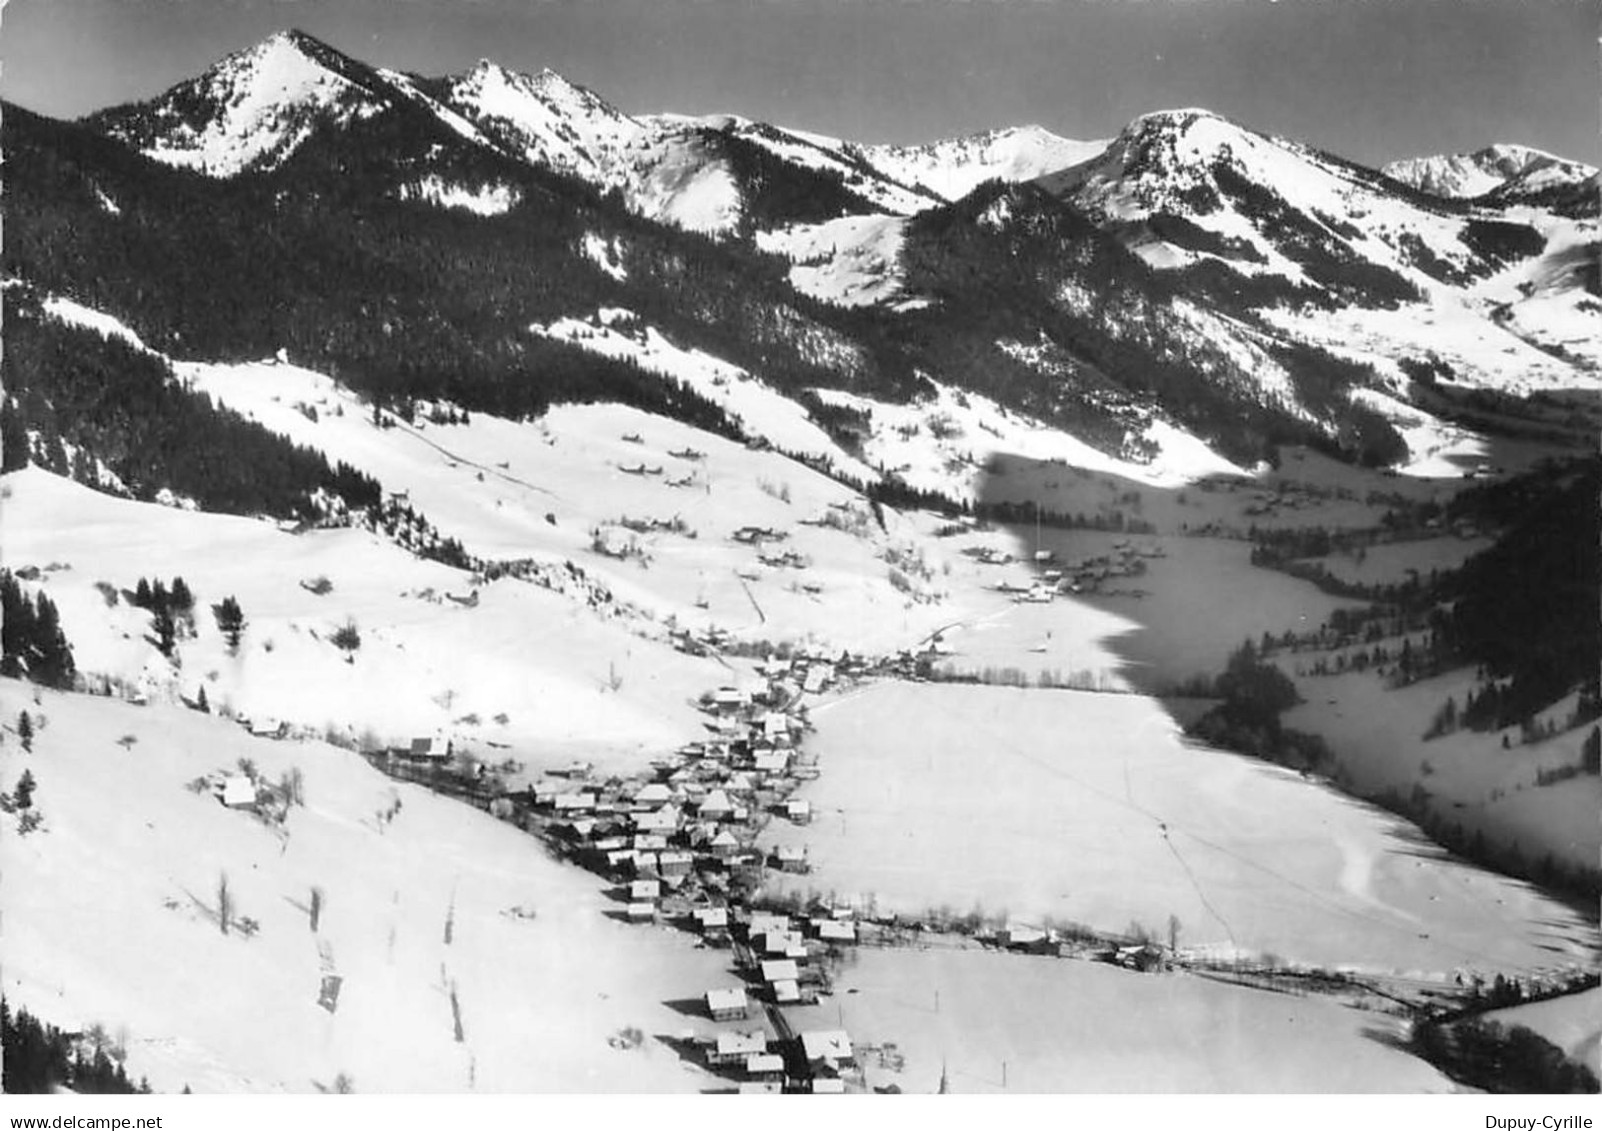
526	665
438	921
1573	1023
1377	733
1089	808
998	1023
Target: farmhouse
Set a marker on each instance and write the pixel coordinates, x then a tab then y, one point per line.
771	762
238	792
716	806
654	795
727	1005
1018	935
674	864
435	749
664	820
826	1049
733	1048
835	930
765	1066
780	970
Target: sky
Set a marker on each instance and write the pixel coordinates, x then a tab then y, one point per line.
1372	80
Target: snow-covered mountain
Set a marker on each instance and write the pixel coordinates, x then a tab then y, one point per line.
1326	251
251	109
1485	170
1084	287
954	167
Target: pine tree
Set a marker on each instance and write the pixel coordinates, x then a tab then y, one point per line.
182	599
230	621
23	794
25	731
166	630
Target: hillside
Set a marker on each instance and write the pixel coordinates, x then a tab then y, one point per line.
1128	581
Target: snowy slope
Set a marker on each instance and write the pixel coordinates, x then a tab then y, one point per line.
467	959
760	410
948	444
852	261
520	663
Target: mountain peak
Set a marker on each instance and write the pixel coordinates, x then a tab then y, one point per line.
1496	167
250	109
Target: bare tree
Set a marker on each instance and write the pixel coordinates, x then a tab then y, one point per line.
225	902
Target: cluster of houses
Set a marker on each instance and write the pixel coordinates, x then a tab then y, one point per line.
784	963
681	837
679	843
1081	575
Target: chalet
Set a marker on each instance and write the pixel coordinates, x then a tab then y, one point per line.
827	1086
733	1048
761	1088
791	858
761	922
779	970
620	858
716	806
817	678
237	792
1017	935
268	728
643	891
434	749
786	991
642	912
712	919
654	795
765	1066
675	864
835	930
729	699
648	842
1145	958
826	1049
571	803
727	1005
771	762
799	811
664	821
783	944
724	845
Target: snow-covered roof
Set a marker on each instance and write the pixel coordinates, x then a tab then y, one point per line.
826	1044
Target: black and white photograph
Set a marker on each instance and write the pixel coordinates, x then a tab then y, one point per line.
1004	548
